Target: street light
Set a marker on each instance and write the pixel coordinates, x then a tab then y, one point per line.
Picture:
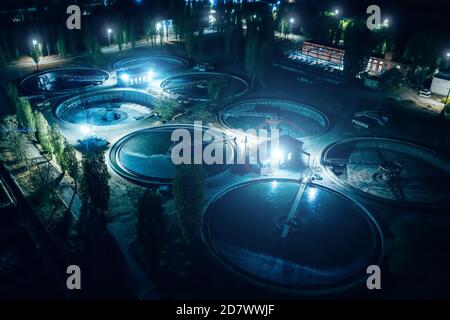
125	78
109	36
291	25
386	22
150	75
160	31
336	12
36	52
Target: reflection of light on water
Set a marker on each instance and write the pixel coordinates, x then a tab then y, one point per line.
312	194
274	184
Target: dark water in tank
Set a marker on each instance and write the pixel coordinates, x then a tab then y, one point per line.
333	243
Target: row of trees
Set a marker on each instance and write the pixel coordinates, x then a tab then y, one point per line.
95	191
188	187
152	225
128	22
359	43
255	45
188	24
49	137
423	51
421	45
93	171
259	47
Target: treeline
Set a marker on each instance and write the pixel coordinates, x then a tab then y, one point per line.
422	45
47	24
91	173
246	31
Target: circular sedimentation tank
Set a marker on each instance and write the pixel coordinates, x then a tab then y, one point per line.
292	118
106	107
291	235
388	169
145	156
64	80
195	85
156	63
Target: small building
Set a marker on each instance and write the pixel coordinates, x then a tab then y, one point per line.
324	53
441	83
377	65
285	152
330	54
290	149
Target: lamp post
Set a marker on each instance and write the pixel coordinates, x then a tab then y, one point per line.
291	25
36	52
159	31
109	36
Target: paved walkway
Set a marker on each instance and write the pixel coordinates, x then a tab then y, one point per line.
427	104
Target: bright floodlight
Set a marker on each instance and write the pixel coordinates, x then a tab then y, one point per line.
448	54
158	26
150	75
34	42
277	155
292	20
109	30
125	77
386	22
336	11
86	130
